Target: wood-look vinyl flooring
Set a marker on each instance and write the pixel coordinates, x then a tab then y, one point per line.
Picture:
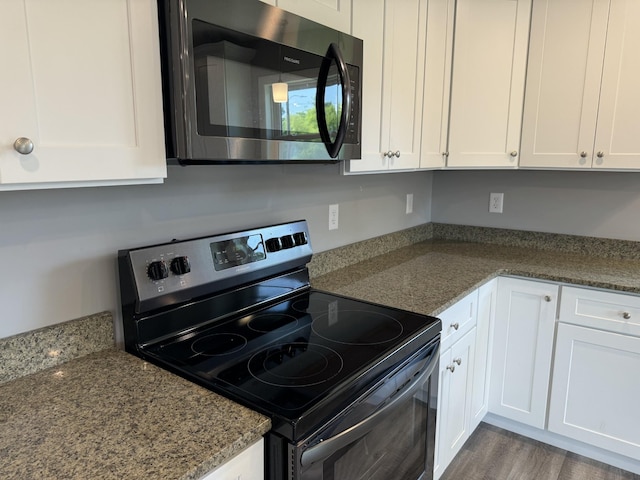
495	454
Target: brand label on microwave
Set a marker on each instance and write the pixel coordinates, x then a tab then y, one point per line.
292	60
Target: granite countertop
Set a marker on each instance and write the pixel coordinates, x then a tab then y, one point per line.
110	415
430	276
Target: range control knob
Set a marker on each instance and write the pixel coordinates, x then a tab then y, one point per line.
300	238
180	265
287	241
273	245
157	270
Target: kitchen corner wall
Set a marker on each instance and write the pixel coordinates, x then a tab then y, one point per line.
58	247
598	204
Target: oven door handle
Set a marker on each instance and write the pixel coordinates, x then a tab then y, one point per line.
326	448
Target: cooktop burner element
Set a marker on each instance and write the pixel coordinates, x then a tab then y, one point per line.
218	344
295	364
363	328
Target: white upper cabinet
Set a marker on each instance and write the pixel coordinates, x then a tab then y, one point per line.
393	75
332	13
582	97
487	91
437	82
86	93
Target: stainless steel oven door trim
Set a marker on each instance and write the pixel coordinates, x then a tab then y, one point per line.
327	447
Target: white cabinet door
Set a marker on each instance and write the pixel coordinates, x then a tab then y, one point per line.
86	93
454	401
437	83
247	465
332	13
617	143
393	74
563	82
522	350
487	294
596	388
489	65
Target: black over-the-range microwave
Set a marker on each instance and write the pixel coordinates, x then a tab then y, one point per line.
246	82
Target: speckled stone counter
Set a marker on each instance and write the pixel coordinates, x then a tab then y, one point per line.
430	276
109	415
47	347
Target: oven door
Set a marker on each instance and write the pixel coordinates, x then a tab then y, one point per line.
388	434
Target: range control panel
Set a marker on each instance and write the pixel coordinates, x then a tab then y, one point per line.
207	264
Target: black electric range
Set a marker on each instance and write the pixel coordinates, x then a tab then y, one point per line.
236	314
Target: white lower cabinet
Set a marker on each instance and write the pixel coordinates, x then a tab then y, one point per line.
484	343
247	465
454	406
596	385
522	350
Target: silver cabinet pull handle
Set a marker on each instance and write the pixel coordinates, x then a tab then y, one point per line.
458	361
626	315
455	326
547	298
583	154
445	154
600	154
397	154
452	368
23	145
514	153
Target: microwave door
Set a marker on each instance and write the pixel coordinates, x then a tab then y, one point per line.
333	116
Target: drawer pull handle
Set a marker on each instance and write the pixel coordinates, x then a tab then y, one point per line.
455	326
452	368
458	361
626	315
547	298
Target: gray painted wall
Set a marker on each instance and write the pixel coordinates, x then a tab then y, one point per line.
599	204
58	247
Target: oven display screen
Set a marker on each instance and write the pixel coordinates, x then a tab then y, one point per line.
237	251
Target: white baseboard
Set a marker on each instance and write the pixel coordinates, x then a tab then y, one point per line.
550	438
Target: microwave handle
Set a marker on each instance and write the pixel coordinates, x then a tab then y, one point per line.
326	448
333	54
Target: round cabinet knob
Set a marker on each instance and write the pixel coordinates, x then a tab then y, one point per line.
452	368
388	154
600	154
547	298
157	270
180	265
397	154
455	326
626	315
583	154
514	153
458	361
23	146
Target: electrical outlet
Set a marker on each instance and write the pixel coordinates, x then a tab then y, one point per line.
409	203
333	216
496	201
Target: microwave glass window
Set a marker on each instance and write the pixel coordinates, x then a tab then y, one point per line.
254	88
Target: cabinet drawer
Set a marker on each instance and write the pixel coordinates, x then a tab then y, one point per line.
615	312
458	319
